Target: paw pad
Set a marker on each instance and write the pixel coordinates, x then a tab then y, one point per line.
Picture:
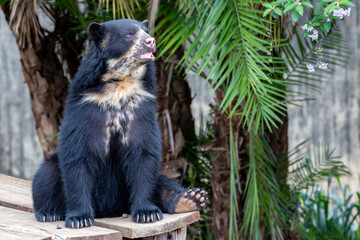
193	200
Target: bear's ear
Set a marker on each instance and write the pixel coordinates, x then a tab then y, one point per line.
146	23
95	31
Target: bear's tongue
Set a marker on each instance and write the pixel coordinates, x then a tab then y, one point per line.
147	55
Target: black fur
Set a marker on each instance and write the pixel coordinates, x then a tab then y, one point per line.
109	156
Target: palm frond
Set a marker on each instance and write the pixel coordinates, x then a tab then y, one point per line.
119	8
308	168
301	51
228	44
24	22
327	216
264	199
73	7
234	180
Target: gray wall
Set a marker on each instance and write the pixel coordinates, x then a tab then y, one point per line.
20	151
333	117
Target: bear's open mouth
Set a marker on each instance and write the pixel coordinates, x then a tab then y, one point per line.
147	56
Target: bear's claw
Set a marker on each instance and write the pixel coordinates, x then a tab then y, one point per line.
48	217
79	221
147	216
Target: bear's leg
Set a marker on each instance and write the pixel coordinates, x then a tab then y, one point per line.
141	176
48	197
78	185
172	198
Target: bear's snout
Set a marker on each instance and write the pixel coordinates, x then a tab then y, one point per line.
150	42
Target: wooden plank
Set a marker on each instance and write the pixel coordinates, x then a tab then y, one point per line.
12	234
178	234
15	193
130	229
15	223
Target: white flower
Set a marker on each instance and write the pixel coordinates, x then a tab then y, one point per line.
305	27
310	67
337	13
341	13
347	12
323	65
314	37
327	18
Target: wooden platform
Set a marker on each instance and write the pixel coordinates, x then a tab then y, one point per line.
17	220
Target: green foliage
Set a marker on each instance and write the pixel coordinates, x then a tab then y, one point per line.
308	168
199	158
264	198
325	216
322	15
197	174
120	8
332	50
313	213
234	183
230	51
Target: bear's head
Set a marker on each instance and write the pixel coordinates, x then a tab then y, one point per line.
126	43
119	65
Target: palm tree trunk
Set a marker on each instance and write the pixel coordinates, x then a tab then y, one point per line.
47	86
174	115
220	175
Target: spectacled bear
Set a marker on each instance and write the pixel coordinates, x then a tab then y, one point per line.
109	154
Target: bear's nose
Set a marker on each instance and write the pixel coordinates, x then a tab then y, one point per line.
150	42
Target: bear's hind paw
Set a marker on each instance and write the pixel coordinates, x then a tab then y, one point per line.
194	199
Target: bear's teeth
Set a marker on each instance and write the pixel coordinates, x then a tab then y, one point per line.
147	55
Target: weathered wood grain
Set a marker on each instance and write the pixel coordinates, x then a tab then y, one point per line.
15	223
11	234
178	234
15	193
130	229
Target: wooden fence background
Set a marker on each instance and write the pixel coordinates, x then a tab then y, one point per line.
20	151
333	117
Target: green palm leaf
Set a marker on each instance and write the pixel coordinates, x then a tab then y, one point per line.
263	198
228	44
334	52
308	168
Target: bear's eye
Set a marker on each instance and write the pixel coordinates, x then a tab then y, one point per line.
130	33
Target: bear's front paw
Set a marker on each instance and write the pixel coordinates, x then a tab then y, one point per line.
48	216
147	216
79	221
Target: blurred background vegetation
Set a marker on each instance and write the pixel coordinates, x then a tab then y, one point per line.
260	189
